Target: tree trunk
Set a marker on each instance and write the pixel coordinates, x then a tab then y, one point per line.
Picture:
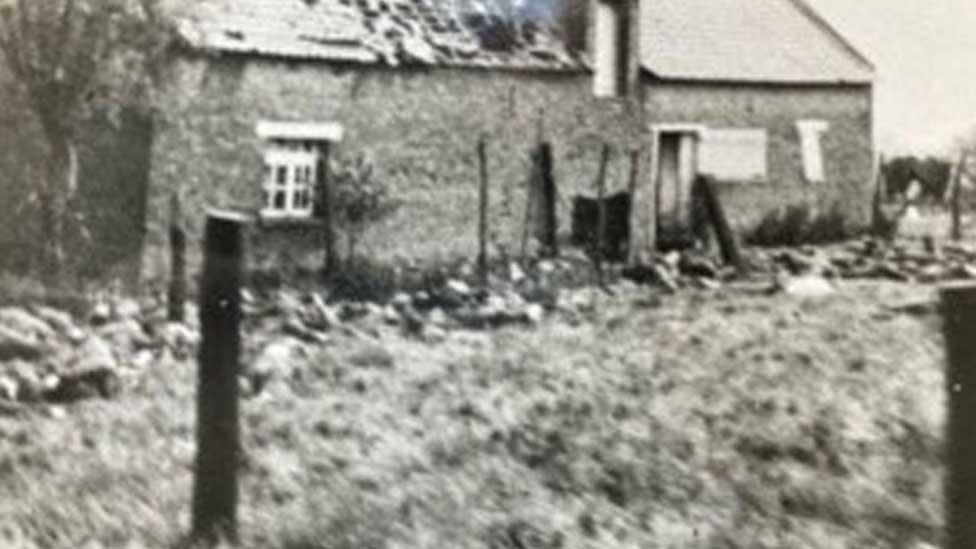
54	198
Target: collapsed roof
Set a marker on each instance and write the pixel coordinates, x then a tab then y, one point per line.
479	33
781	41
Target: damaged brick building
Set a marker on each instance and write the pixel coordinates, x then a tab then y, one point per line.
763	94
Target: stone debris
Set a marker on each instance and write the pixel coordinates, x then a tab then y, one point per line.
47	354
807	286
16	345
924	261
276	361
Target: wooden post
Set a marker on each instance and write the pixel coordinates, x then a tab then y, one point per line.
713	207
482	212
632	252
878	220
959	317
328	210
653	200
218	431
548	228
532	199
176	297
956	198
601	225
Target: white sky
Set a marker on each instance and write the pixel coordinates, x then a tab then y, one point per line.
925	54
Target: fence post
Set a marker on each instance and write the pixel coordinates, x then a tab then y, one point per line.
176	297
601	225
482	212
532	202
632	242
878	220
218	431
959	317
956	197
547	214
328	209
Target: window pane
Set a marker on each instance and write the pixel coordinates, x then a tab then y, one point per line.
279	200
281	176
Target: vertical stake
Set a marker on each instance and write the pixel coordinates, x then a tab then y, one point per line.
548	198
956	198
328	209
218	430
959	317
633	257
176	298
878	220
532	202
482	212
601	225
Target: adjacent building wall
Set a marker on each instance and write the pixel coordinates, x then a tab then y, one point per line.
847	144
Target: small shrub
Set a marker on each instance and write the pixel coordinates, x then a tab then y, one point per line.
801	224
360	198
364	280
832	226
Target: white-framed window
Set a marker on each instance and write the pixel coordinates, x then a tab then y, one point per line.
289	180
810	136
611	48
734	154
292	155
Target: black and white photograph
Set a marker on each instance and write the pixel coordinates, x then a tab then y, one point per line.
487	274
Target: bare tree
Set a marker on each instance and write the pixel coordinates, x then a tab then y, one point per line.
68	57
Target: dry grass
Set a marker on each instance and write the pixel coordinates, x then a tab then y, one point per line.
708	420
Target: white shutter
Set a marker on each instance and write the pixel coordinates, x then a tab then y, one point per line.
733	154
605	50
810	132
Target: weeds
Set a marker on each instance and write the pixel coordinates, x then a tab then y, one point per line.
802	224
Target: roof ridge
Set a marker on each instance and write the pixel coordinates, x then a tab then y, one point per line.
814	16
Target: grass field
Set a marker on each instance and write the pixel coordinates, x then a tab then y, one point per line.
703	419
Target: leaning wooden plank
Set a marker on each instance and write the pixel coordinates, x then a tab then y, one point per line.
727	241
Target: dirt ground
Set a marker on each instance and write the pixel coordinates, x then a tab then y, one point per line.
704	419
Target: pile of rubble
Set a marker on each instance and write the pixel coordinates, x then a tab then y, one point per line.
519	296
46	355
922	261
